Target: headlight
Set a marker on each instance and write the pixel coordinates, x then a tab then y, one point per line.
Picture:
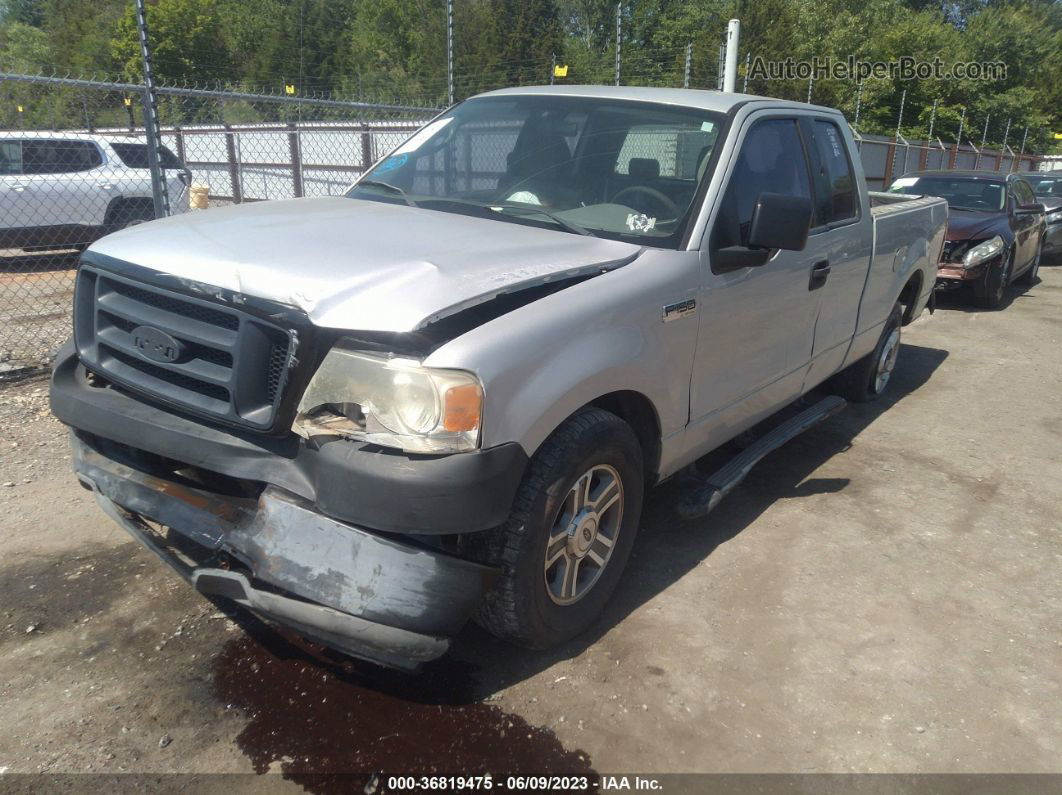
1055	217
983	252
392	402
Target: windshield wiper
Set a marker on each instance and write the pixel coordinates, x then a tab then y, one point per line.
531	208
376	183
497	207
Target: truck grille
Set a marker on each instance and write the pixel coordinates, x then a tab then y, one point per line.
212	359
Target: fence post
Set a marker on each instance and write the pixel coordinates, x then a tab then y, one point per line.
890	155
178	136
1024	137
619	38
234	165
686	69
923	160
449	52
984	139
366	147
1003	148
958	140
296	160
159	190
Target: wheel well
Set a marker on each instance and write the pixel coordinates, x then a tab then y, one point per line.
125	209
637	410
909	296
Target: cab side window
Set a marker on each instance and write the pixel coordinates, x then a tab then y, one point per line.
771	160
835	190
1023	193
59	157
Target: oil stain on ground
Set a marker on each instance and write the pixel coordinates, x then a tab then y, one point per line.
330	723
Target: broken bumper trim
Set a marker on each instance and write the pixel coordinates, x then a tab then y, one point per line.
362	594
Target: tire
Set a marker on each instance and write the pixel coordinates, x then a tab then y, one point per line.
527	604
988	291
1029	278
867	379
129	212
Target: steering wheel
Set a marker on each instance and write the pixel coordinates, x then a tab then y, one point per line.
660	198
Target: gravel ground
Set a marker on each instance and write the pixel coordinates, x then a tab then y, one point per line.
881	595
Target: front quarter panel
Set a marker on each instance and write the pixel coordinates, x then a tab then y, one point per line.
542	362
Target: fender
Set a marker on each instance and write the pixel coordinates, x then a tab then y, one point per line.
543	361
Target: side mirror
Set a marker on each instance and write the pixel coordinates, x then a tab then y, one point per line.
1028	209
778	222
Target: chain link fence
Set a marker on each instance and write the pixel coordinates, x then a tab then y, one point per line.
74	166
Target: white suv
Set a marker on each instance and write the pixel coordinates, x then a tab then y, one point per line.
62	190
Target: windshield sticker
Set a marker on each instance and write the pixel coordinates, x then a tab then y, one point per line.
640	222
391	163
524	197
423	135
905	182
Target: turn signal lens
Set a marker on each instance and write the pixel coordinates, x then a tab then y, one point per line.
462	407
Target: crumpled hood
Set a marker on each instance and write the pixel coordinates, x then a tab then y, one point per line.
360	265
968	225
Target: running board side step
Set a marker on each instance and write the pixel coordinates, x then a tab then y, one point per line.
711	490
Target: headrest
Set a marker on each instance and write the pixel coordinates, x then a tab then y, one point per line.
643	169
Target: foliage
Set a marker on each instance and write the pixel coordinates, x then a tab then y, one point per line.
396	49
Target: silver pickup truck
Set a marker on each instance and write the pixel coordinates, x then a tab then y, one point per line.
442	396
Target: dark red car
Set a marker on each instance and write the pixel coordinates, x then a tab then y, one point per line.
996	229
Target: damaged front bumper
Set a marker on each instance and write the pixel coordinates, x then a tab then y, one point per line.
359	592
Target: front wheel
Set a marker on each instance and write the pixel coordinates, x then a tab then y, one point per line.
1029	277
570	534
988	291
867	379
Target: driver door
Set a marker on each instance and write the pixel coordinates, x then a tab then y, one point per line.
757	324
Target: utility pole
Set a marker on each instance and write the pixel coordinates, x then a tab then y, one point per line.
552	68
449	52
619	38
859	103
733	36
748	66
811	83
689	61
159	193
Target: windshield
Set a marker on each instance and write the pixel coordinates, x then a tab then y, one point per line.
616	169
962	194
1046	186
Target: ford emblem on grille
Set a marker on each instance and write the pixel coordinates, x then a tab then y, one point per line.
155	344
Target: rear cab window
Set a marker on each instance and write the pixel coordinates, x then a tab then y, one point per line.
836	200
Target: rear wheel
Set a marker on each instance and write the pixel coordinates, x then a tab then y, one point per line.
867	379
570	534
988	290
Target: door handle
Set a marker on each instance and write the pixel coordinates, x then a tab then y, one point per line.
820	272
105	185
